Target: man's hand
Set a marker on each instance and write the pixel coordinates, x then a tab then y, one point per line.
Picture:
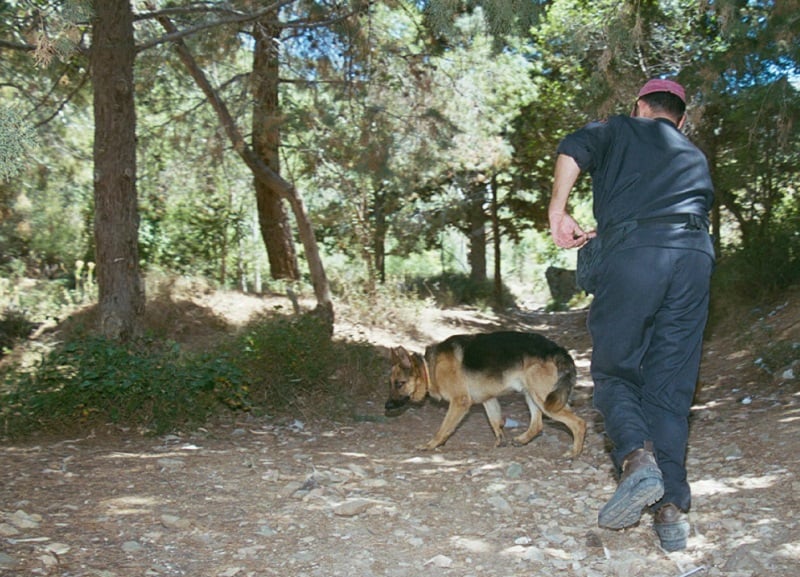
566	232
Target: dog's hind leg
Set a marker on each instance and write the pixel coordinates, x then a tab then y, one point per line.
535	426
575	424
495	416
459	407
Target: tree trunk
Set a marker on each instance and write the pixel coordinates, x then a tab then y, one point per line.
273	220
269	177
477	235
381	230
116	221
498	278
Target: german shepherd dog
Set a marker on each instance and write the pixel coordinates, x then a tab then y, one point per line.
468	369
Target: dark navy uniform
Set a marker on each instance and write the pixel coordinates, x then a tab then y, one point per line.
651	304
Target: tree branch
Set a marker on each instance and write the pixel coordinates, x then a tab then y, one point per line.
5	44
263	173
175	34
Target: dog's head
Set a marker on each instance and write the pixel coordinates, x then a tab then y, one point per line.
408	380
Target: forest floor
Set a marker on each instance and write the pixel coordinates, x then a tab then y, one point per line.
308	497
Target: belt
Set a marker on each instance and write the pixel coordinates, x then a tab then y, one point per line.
690	222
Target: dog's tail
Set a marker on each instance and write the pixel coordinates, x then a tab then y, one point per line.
567	375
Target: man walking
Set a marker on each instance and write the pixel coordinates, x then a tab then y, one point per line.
652	193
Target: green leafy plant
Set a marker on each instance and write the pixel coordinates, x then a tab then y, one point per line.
14	324
293	364
454	289
145	384
16	138
287	358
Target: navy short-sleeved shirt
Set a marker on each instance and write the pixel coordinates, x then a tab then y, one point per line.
640	168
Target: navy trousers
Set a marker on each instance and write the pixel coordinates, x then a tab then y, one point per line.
647	321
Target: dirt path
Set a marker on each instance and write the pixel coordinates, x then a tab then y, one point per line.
294	498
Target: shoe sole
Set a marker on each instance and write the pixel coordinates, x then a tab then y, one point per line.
631	497
673	536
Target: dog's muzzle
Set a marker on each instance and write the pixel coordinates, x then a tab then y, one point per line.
394	407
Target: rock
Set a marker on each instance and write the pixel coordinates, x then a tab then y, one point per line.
266	531
731	452
499	504
514	471
441	561
174	522
7	561
22	520
168	464
593	540
743	560
57	549
352	508
132	546
8	530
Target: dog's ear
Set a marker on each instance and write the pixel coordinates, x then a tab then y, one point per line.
401	357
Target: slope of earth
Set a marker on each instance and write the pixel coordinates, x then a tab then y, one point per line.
255	497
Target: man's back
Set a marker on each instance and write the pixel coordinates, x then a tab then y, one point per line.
641	168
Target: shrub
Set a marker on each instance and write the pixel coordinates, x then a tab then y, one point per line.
277	365
293	364
145	384
14	324
454	289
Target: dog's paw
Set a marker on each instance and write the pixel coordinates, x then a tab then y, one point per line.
429	446
524	439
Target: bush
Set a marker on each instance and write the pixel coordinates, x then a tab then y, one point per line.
293	364
279	365
455	289
145	384
14	325
761	269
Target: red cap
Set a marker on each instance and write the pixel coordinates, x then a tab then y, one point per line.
661	85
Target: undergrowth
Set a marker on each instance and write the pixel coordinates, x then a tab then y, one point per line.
277	364
455	289
146	384
292	364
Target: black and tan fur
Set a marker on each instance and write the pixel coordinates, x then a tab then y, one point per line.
465	370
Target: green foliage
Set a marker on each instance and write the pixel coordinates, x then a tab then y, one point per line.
16	139
41	300
451	289
14	325
146	384
277	365
763	266
292	363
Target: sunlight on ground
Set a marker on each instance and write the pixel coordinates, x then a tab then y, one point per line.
132	505
790	550
733	484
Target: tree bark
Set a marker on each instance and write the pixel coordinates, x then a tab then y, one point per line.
381	231
116	220
276	230
498	272
477	233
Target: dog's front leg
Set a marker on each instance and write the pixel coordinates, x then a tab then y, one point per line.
459	407
495	415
